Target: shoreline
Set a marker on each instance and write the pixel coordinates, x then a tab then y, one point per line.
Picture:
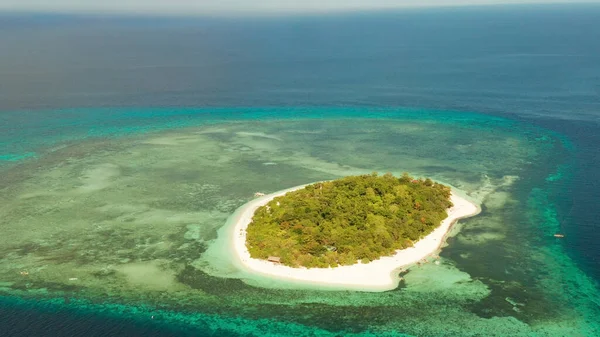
377	275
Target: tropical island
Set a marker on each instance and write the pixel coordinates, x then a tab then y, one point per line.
351	233
341	222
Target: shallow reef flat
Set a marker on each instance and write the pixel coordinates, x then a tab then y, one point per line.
131	222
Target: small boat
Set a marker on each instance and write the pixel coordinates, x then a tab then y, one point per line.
558	235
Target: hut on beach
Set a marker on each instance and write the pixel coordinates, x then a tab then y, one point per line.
274	259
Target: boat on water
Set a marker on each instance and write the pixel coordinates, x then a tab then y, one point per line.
558	235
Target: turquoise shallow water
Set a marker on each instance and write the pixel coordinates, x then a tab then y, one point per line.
113	182
112	223
41	129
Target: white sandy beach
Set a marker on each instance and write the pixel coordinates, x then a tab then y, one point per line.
377	275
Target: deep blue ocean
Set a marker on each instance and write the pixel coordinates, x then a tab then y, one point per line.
65	78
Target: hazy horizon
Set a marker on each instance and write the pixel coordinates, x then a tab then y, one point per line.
241	7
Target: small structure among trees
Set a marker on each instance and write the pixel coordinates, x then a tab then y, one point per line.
274	259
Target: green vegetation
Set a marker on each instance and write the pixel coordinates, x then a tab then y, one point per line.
342	221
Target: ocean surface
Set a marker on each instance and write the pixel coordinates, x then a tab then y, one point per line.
127	142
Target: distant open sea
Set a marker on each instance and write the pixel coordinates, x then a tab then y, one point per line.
66	79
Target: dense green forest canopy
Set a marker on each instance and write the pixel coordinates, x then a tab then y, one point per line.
342	221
